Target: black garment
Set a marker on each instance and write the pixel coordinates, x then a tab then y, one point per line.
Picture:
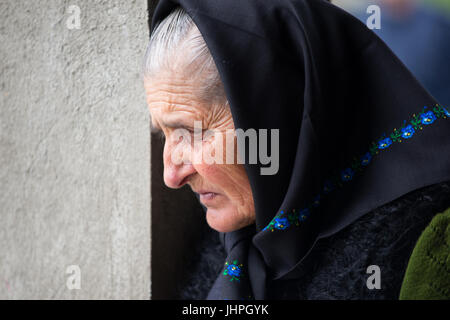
356	130
336	267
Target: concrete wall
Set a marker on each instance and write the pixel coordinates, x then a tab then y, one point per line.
74	150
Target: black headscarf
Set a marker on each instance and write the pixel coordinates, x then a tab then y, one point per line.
356	128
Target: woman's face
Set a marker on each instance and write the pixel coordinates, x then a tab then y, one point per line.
224	188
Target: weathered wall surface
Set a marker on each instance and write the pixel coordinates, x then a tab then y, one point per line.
74	150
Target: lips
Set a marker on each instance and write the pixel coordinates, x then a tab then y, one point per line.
207	197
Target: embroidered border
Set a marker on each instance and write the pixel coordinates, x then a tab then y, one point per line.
283	220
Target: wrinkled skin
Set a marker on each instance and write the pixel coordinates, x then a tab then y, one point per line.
224	188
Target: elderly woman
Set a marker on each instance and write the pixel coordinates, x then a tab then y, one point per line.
354	137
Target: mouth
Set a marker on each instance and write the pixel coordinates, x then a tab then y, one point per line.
207	197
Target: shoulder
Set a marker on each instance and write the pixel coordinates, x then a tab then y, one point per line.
337	267
427	274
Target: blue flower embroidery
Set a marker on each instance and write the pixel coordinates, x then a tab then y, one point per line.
446	112
384	143
304	214
428	117
233	270
281	223
347	174
365	159
408	131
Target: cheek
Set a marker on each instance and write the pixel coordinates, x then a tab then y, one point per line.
212	174
231	180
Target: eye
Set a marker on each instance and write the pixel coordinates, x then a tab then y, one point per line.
191	131
208	134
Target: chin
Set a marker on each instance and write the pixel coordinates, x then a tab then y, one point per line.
223	220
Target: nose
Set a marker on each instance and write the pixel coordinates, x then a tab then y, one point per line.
176	169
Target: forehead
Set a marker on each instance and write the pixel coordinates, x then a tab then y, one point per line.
171	95
170	89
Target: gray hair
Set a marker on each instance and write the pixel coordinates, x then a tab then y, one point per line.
176	45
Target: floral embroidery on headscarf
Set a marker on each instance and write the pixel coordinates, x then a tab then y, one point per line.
347	174
304	214
408	131
384	143
446	112
285	219
233	270
365	159
427	117
281	223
